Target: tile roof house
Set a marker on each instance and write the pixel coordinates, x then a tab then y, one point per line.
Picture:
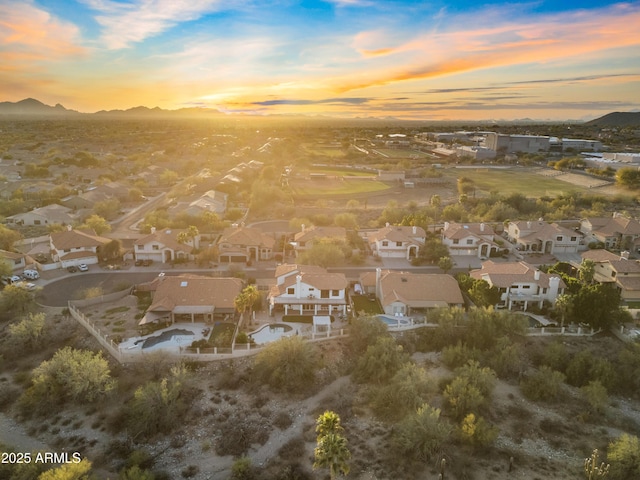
520	284
395	241
305	239
616	232
405	293
308	290
47	215
476	239
542	237
242	244
17	261
210	201
191	298
73	247
616	269
163	246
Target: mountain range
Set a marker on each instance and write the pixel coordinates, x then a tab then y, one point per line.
33	107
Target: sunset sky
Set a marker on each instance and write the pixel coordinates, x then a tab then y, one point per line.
431	60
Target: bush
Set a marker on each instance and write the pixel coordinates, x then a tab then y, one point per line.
380	362
421	435
477	432
624	457
545	385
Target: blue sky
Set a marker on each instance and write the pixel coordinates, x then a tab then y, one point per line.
346	58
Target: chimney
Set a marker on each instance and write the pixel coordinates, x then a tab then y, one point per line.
528	224
482	227
386	224
536	275
414	230
298	286
153	230
624	255
302	226
446	225
378	276
69	228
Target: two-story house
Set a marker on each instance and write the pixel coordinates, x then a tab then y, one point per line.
308	290
542	237
396	241
73	247
164	246
475	239
405	293
210	201
616	269
616	232
191	298
305	239
520	284
242	244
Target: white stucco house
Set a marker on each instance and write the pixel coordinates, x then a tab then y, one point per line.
397	241
474	239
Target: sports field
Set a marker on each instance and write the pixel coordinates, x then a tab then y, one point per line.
333	186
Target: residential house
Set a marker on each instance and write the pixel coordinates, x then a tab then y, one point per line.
164	246
397	241
520	284
616	269
49	215
475	239
191	298
86	200
542	237
308	290
616	232
211	201
305	239
242	244
406	294
17	261
73	247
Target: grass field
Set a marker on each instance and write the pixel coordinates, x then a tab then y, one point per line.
398	153
328	187
342	172
516	180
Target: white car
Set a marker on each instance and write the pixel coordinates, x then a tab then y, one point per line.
83	267
31	274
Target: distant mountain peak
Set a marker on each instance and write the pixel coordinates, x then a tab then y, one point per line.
617	119
31	106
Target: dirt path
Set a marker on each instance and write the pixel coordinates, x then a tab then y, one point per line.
14	435
301	415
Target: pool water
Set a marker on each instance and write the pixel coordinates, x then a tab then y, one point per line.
394	321
165	336
271	333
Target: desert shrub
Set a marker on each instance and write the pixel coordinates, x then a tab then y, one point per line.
545	385
506	358
283	420
477	431
422	434
405	392
596	396
288	364
237	434
463	397
242	469
454	356
624	456
555	356
380	362
365	332
29	331
136	473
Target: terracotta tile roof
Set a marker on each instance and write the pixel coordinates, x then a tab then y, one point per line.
505	274
629	283
543	231
287	268
320	232
399	233
79	238
611	226
417	290
167	237
459	230
246	236
599	255
625	266
194	291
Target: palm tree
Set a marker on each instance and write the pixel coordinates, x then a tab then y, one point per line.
587	271
564	303
332	453
246	299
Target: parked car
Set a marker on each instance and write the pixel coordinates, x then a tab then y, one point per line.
83	267
15	279
139	263
72	269
31	274
147	262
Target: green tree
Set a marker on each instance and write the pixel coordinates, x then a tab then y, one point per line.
422	434
107	209
326	252
624	456
365	331
586	271
98	224
189	235
8	237
628	177
29	331
246	299
596	305
15	298
596	396
5	269
445	264
563	305
545	384
112	250
346	220
288	364
69	471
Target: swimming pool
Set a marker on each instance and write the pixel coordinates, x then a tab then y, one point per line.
165	337
395	321
271	333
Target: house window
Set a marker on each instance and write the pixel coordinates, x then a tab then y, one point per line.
573	239
544	290
156	247
66	250
324	293
335	293
37	222
385	243
291	291
398	244
559	238
302	244
469	241
526	287
140	247
456	241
